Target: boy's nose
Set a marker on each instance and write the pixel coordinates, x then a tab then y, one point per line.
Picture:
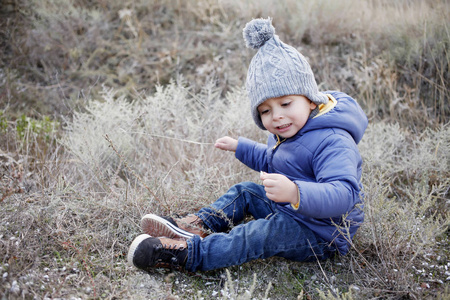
277	115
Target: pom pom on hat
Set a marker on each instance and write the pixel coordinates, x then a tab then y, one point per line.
257	32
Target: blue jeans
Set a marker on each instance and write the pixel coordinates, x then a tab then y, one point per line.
271	233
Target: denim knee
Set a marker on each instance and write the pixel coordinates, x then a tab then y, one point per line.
242	199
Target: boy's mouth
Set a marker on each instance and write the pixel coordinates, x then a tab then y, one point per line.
281	127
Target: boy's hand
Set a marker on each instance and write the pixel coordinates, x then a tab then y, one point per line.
226	143
279	188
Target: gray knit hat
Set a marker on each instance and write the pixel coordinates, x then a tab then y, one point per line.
277	69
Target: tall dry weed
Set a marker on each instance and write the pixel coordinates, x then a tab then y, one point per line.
167	138
407	208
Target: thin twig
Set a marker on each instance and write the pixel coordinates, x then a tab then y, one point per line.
172	138
321	269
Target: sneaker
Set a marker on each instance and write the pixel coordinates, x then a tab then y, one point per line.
148	252
167	227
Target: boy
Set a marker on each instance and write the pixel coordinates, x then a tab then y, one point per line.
309	205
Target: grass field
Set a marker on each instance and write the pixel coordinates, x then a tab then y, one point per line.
109	110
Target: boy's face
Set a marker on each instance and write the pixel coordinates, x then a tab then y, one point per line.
286	115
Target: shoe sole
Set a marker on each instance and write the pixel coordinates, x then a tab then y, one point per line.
159	227
133	247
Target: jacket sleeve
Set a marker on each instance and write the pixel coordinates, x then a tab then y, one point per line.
336	191
252	154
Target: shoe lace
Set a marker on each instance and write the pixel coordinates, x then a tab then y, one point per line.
172	256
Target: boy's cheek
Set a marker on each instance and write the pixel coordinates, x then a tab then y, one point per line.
265	121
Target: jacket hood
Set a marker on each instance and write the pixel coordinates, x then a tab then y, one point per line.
346	115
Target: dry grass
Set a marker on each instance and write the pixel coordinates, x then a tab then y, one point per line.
392	56
139	90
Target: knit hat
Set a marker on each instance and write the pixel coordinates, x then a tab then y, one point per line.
277	69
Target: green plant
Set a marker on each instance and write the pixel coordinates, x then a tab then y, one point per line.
3	123
45	128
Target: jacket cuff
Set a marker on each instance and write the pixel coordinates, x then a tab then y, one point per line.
295	207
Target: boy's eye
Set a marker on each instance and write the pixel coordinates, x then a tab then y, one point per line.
285	103
265	111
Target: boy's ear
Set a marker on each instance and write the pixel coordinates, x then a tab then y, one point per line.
312	105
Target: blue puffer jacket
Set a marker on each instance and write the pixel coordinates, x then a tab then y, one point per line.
324	161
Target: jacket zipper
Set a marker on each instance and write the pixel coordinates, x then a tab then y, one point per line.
279	141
